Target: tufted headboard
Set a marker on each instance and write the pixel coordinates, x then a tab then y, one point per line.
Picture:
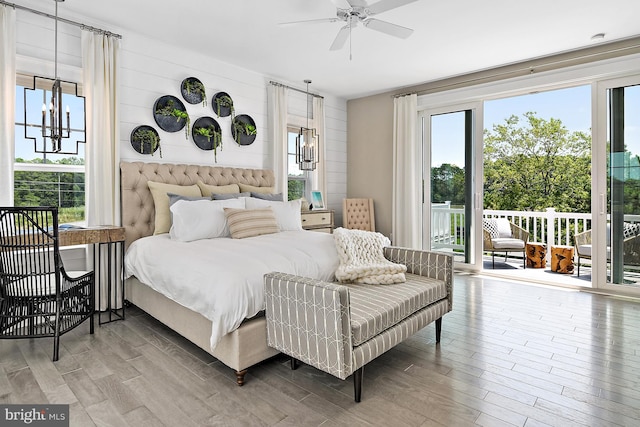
138	212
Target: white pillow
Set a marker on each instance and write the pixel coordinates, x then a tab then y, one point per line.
287	213
201	219
504	228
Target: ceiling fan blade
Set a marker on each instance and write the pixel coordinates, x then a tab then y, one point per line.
388	28
384	5
341	38
341	4
310	21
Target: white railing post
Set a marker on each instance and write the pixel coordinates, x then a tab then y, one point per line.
550	230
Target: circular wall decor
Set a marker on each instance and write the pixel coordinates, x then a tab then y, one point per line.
243	129
145	140
169	113
193	91
222	104
204	133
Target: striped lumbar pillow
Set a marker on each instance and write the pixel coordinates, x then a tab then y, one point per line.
250	222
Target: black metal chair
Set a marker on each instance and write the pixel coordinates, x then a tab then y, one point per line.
37	296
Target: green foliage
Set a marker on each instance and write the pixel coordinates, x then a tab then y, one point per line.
295	189
224	101
211	132
245	128
168	110
147	136
535	165
63	189
447	184
196	86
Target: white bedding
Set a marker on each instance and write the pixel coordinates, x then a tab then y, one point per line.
222	278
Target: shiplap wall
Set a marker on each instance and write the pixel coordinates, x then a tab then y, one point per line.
150	69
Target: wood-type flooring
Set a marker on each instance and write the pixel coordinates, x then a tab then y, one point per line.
511	354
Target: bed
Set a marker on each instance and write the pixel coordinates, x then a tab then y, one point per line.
246	344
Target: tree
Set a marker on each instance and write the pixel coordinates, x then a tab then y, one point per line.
447	184
535	165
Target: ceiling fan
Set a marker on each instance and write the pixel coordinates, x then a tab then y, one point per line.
357	12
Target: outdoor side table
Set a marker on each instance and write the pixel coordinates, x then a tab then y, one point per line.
536	255
562	259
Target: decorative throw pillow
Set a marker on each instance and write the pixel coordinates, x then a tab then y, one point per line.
504	228
207	190
276	197
159	192
287	213
250	222
491	226
252	188
176	197
201	219
216	196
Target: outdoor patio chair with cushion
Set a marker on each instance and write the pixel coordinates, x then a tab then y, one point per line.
500	235
630	244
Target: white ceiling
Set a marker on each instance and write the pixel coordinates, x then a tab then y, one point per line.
451	37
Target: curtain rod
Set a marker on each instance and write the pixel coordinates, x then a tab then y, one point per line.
522	70
66	21
293	88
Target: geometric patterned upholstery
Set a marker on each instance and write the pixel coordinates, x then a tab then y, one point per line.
325	324
357	214
377	308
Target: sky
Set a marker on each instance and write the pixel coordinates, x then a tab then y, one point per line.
572	106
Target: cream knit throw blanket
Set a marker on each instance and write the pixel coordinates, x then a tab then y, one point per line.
362	258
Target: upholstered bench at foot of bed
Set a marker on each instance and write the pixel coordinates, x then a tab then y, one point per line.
339	328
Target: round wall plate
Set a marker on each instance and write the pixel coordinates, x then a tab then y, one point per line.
191	95
223	111
238	129
169	123
200	140
137	142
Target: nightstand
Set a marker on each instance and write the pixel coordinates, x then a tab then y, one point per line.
317	220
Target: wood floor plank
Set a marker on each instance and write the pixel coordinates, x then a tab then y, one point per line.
104	414
511	354
142	416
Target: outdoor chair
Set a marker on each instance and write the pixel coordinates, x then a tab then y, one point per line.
500	235
38	298
630	244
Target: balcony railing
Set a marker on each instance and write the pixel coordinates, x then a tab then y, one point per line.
547	227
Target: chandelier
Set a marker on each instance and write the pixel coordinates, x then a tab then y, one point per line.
307	143
55	124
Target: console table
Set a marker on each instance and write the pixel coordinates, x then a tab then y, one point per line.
111	237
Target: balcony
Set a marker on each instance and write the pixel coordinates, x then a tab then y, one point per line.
548	227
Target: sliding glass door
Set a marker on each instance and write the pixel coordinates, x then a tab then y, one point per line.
449	216
618	245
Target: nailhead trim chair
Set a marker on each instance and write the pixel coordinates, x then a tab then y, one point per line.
358	214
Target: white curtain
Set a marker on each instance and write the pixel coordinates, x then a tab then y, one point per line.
7	102
407	174
277	112
320	174
100	63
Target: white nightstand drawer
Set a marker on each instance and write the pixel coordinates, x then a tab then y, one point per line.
312	220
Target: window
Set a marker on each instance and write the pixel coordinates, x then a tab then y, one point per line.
48	179
299	181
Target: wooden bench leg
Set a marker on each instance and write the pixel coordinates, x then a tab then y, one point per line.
438	329
240	377
357	383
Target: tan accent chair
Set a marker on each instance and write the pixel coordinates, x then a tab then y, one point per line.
357	214
500	235
630	245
